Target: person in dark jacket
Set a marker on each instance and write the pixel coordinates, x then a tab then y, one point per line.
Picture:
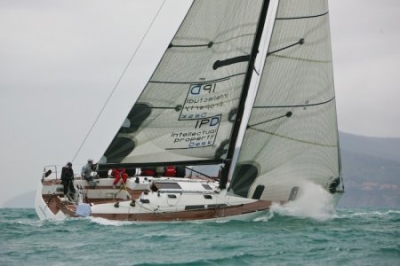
67	179
180	171
87	171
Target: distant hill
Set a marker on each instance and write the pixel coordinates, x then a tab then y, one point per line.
371	170
25	200
387	148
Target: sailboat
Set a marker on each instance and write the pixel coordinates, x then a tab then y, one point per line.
271	130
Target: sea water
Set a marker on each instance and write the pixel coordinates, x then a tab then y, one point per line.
308	231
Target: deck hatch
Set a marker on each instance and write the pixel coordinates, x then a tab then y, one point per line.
206	186
165	185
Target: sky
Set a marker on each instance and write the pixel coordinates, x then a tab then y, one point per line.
61	60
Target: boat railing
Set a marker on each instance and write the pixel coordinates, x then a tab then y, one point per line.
53	172
50	172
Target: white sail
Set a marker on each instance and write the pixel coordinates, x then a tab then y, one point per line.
291	136
187	110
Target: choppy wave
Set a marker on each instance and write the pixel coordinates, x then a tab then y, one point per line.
287	235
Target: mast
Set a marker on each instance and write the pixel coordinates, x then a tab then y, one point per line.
246	87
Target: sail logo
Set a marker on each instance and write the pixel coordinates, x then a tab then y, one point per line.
209	122
199	89
202	101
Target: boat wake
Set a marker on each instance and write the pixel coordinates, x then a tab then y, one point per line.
312	202
103	221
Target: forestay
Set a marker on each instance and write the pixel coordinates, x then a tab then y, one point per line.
292	136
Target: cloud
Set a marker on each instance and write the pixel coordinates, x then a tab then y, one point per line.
366	50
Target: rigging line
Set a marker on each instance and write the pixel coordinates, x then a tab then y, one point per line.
303	17
119	80
300	42
288	114
298	105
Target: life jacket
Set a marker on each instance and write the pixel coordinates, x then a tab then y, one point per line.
122	170
148	172
170	171
115	173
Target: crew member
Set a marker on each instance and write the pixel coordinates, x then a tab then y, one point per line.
67	179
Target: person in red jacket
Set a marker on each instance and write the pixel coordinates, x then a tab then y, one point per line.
170	171
119	174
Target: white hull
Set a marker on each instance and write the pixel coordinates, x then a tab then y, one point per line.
42	209
149	199
164	199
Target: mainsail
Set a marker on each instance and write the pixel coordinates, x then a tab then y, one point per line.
291	136
186	112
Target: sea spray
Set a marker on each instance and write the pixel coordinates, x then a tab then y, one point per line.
312	202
